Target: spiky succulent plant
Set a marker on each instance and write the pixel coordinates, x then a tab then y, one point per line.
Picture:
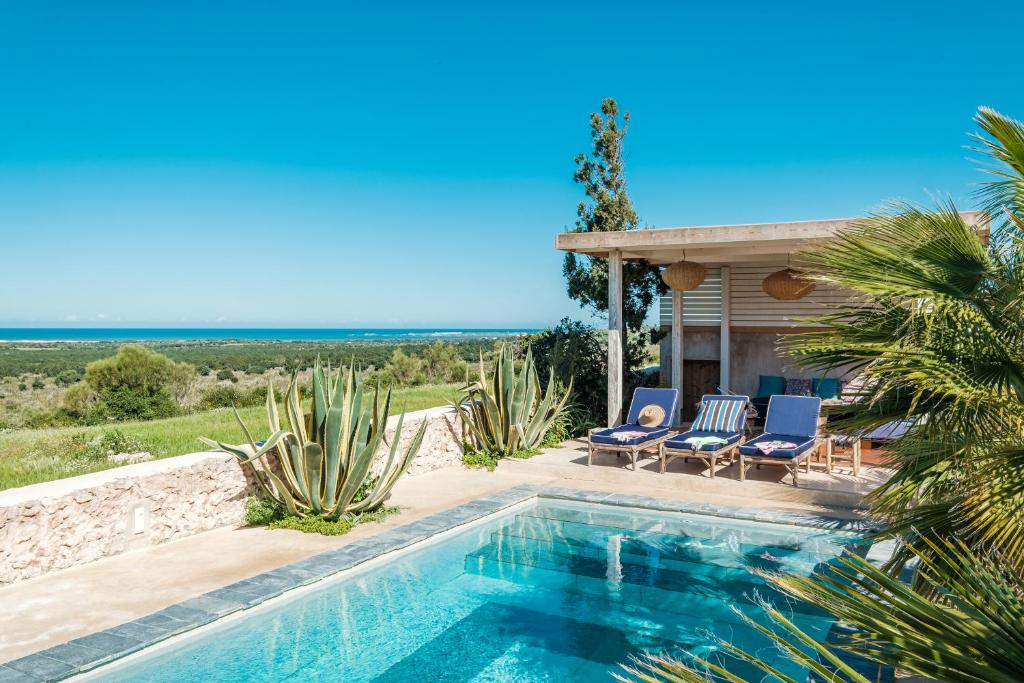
506	412
322	464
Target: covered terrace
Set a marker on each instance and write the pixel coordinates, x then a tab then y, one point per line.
724	328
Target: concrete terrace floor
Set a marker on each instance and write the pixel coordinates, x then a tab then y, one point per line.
51	609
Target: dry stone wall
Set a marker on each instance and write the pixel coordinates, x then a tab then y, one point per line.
72	521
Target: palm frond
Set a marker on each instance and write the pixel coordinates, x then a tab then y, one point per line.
972	632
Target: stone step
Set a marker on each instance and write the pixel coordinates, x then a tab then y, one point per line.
685	558
727	550
670	586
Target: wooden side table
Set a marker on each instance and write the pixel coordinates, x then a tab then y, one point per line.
831	456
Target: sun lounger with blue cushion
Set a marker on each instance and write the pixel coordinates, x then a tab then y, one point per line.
790	435
650	414
716	431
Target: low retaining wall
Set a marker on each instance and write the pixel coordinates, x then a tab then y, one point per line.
72	521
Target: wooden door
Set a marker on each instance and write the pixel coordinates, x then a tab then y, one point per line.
699	378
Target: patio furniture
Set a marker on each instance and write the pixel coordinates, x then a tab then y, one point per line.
717	431
767	386
879	435
790	435
851	441
650	414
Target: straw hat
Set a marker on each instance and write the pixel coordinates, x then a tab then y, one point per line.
651	415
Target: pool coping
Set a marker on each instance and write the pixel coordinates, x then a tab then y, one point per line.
86	653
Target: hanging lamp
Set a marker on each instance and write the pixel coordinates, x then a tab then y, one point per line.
682	276
787	284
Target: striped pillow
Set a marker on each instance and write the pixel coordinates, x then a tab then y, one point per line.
719	415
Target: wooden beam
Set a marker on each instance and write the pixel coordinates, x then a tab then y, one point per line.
662	244
615	324
677	352
725	356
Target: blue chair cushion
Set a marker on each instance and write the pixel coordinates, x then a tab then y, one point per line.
678	440
825	388
721	413
890	431
607	436
663	398
769	385
802	444
793	415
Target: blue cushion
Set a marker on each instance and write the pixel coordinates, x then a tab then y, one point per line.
677	441
793	415
826	388
721	413
802	444
890	431
769	385
663	398
605	436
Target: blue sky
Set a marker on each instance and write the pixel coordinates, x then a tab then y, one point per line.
371	164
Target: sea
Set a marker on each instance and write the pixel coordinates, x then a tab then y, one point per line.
125	334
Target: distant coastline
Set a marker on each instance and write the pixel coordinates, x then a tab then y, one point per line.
143	334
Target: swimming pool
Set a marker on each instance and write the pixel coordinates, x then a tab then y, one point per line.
551	591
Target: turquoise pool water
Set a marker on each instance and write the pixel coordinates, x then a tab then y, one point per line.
556	591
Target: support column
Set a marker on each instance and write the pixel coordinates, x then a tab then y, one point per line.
677	352
725	353
615	324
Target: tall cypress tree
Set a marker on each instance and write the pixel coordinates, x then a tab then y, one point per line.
607	208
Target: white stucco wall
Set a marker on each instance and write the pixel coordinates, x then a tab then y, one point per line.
72	521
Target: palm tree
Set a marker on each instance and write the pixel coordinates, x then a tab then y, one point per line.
937	334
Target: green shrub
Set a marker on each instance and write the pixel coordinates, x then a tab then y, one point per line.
124	403
204	370
404	370
443	364
135	384
255	370
67	378
115	441
38	384
480	460
226	374
22	387
314	525
221	396
573	351
81	452
262	511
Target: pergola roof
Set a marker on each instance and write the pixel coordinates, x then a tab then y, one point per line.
717	243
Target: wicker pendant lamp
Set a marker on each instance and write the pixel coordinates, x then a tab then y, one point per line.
682	276
787	285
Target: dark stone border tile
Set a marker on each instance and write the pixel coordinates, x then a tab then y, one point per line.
82	654
9	675
88	652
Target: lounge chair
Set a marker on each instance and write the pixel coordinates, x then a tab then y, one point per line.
650	413
716	431
791	420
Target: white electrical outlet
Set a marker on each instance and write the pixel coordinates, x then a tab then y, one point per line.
139	520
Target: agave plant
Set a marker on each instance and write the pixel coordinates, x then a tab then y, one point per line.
324	459
506	412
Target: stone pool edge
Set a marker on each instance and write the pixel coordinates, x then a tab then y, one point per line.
86	653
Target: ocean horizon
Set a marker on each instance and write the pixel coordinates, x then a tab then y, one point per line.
128	334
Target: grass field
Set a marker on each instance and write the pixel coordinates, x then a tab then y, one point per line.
32	456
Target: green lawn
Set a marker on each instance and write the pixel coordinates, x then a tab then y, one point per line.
30	456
